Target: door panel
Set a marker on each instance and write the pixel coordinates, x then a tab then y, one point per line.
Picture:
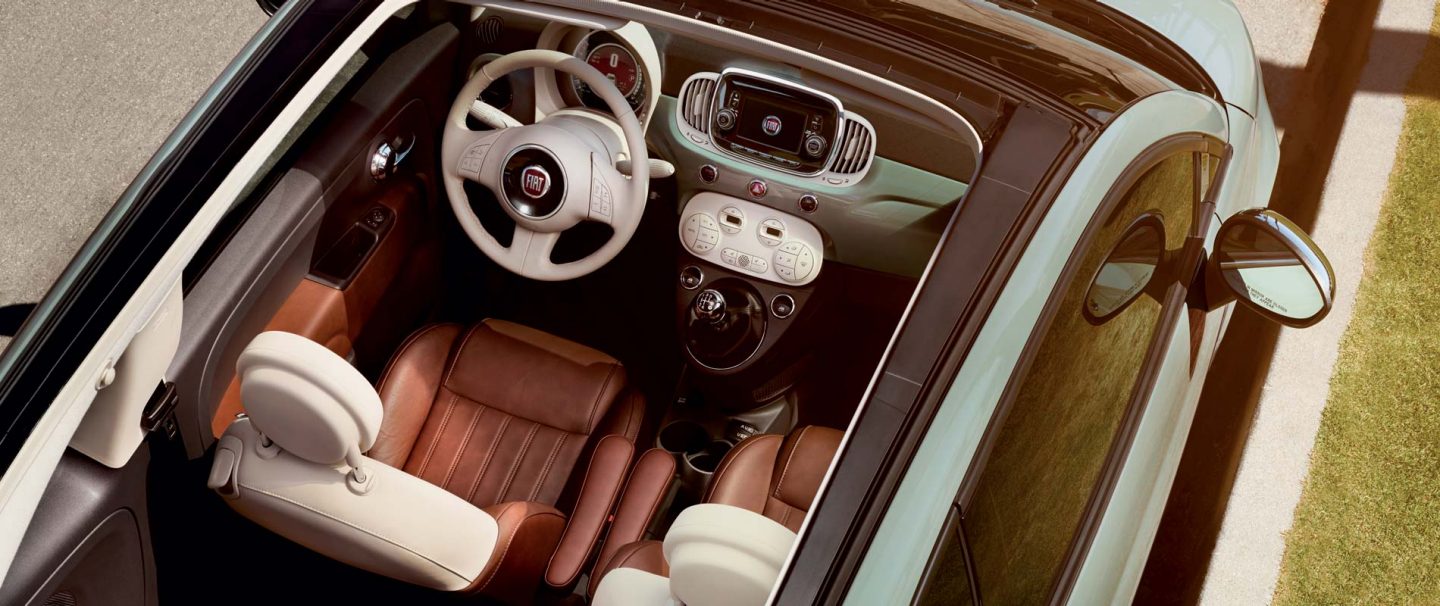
265	275
89	539
381	300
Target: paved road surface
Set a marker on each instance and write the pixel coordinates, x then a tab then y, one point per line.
88	91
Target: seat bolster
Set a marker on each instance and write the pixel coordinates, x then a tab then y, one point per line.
744	476
528	534
598	493
648	556
408	389
640	502
802	462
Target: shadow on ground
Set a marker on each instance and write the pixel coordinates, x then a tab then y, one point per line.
1312	122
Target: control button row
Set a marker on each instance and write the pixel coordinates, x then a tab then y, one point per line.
746	262
773	159
601	202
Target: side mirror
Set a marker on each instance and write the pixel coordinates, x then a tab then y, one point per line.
1126	271
270	6
1267	263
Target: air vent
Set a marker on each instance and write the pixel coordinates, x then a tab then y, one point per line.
695	101
857	147
489	30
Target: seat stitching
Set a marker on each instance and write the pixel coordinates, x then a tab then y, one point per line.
464	443
545	473
510	541
590	420
439	432
490	454
352	525
798	439
519	461
455	360
785	518
730	458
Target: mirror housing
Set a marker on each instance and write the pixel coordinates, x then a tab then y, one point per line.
270	6
1268	264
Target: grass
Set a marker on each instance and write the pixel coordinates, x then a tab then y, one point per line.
1367	530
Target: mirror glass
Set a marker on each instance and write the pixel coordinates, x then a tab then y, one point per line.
1126	271
1261	267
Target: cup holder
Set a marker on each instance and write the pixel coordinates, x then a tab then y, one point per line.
683	437
708	459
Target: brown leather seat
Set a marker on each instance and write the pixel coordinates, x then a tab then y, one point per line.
502	415
776	476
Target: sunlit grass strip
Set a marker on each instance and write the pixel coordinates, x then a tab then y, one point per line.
1367	530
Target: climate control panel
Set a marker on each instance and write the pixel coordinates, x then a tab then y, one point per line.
751	238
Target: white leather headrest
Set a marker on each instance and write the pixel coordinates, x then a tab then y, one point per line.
720	554
306	399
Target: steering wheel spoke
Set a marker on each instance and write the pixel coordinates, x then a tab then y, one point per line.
531	250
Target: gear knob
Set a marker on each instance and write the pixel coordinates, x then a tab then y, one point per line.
710	306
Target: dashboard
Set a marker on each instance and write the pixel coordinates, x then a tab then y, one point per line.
794	159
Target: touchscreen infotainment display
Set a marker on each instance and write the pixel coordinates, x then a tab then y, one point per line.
770	125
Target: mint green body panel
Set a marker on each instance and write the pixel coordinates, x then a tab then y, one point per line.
892	567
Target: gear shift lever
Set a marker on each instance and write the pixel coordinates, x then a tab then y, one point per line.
710	306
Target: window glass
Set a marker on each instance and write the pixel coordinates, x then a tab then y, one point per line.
1049	446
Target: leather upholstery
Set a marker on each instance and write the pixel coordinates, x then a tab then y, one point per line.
597	495
646	489
502	416
775	476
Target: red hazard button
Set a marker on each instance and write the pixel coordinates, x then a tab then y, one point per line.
758	189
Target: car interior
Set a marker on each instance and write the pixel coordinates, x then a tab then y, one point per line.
524	293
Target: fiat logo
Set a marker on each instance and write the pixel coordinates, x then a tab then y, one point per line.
534	181
771	125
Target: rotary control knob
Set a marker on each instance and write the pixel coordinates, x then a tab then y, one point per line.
725	120
710	306
814	146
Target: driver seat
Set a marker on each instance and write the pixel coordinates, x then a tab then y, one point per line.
457	475
501	415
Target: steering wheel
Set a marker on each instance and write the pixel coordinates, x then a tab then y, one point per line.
548	176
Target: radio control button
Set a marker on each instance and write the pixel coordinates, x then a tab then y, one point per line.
814	146
808	203
725	120
709	173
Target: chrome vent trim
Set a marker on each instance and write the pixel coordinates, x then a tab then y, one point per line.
856	147
695	101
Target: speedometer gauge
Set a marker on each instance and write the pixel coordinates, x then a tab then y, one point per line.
618	64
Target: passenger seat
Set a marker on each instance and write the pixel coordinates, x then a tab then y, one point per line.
771	475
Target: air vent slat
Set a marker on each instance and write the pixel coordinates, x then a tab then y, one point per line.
857	147
695	102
